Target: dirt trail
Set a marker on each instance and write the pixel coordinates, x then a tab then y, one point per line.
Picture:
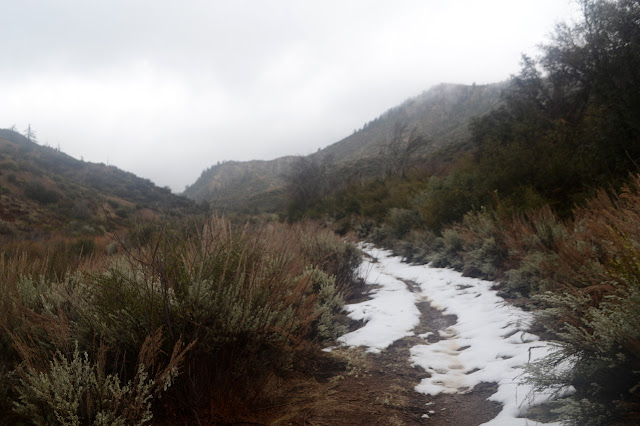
353	387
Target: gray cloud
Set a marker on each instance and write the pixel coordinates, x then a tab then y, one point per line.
165	89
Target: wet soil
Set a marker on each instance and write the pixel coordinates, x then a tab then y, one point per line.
352	387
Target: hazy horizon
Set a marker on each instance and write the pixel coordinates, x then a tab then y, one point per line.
165	90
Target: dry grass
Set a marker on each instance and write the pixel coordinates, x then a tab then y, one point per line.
247	302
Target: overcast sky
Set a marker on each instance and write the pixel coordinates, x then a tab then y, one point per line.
165	89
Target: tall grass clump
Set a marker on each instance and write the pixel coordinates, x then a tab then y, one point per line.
483	251
51	375
75	390
532	241
583	272
595	312
214	310
246	295
338	257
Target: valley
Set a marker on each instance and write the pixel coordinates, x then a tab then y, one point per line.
469	256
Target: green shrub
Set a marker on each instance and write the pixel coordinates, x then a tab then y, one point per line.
401	221
75	390
529	277
596	315
446	200
448	253
335	256
329	305
252	299
39	193
601	343
34	292
364	228
124	211
246	295
40	318
381	235
417	246
583	412
483	258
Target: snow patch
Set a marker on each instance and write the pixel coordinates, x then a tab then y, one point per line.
489	342
390	315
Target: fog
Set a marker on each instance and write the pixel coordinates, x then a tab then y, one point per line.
166	89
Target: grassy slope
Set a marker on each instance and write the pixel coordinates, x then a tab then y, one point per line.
235	185
441	115
44	190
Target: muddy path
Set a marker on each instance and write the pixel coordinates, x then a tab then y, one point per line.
428	346
353	387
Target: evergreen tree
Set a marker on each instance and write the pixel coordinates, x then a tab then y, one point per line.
30	134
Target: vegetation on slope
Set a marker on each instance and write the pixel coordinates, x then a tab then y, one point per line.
438	119
542	201
119	301
250	187
440	114
202	313
207	314
44	191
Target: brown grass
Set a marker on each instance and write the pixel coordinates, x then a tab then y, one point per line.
237	307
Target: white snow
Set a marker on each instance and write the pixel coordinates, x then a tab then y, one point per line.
489	342
390	315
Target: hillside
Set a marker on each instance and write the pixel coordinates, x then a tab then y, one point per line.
234	185
510	268
45	190
546	202
440	115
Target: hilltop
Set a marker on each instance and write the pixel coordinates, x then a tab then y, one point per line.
441	115
45	190
233	185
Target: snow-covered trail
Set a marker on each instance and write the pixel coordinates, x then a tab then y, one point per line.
488	343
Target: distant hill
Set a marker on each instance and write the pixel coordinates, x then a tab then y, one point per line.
235	185
45	190
440	116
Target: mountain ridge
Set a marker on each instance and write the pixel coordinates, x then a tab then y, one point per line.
42	189
440	115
